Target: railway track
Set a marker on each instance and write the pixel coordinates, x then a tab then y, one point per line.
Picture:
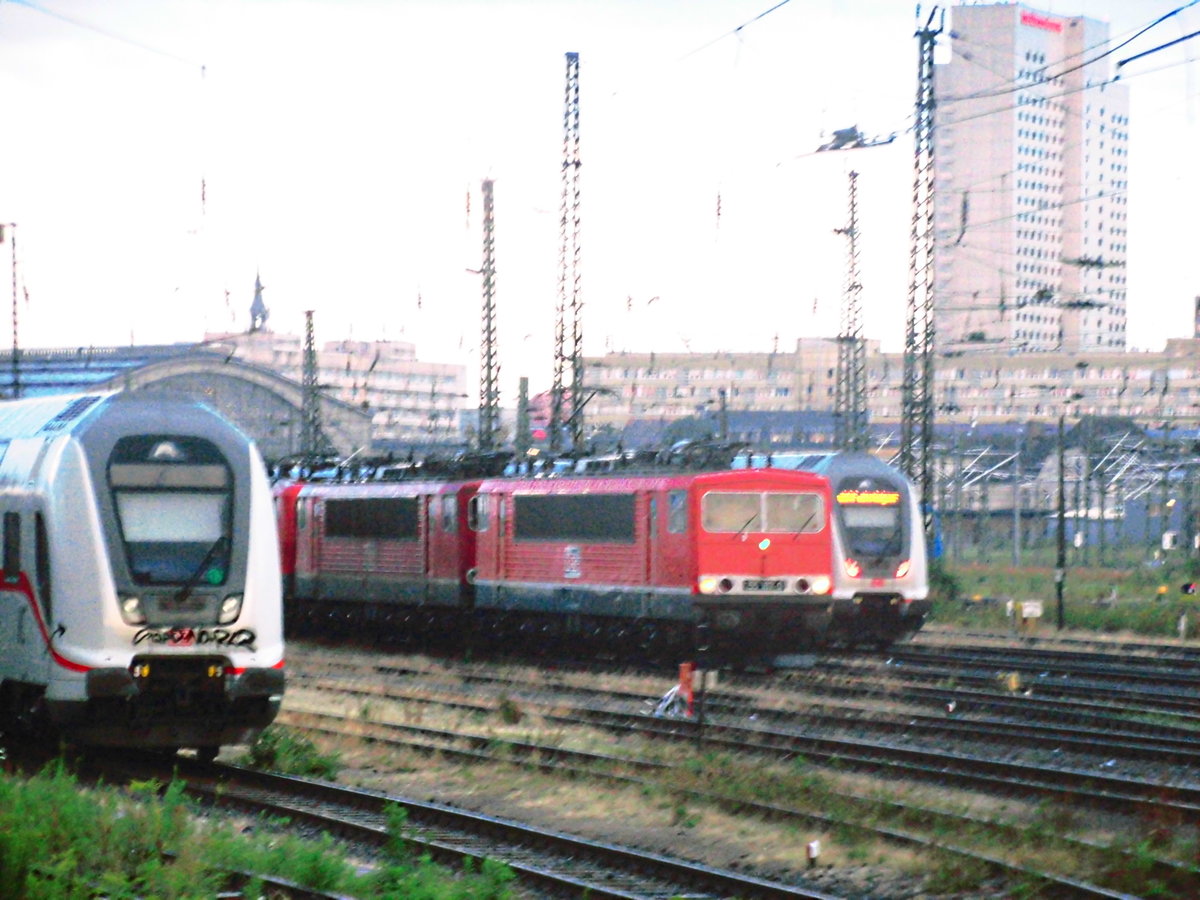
557	863
1179	673
1057	693
1158	743
777	705
480	747
1093	789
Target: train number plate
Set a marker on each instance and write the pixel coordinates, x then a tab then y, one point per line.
763	584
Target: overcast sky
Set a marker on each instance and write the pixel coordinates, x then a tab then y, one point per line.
342	144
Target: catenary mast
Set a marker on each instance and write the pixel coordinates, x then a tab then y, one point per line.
569	294
310	409
850	401
489	361
916	435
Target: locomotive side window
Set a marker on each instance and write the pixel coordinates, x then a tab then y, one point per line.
574	517
676	512
173	498
449	513
795	513
477	513
386	517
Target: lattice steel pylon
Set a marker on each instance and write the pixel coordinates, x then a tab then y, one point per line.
489	359
850	402
916	432
16	344
310	410
569	293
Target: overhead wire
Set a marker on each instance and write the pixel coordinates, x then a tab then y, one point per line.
1014	87
738	29
112	35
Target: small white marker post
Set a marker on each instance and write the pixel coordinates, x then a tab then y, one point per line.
813	850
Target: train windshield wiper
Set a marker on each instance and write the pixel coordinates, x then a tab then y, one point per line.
194	578
742	530
799	531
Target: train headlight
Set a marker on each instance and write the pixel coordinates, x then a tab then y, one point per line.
902	569
231	608
853	569
715	584
820	584
131	610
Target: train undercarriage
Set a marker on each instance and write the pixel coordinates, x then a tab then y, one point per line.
723	636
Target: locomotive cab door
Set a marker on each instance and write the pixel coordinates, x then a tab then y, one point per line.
650	574
468	560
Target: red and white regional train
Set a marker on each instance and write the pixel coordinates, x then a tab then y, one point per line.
140	599
772	561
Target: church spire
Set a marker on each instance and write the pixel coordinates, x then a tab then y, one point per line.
258	309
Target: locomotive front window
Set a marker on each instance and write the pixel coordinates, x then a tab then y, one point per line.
173	505
727	511
787	513
795	513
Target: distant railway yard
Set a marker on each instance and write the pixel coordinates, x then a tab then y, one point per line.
957	765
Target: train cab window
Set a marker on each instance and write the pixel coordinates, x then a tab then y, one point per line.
174	500
738	512
873	530
449	512
724	511
477	513
795	513
677	512
871	515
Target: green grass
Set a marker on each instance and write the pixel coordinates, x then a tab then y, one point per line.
59	841
1141	600
280	749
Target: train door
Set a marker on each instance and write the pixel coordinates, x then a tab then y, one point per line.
427	533
466	543
501	502
26	604
316	528
18	627
650	572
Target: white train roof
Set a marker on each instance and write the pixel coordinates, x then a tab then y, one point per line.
43	416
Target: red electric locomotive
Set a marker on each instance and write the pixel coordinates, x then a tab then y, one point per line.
391	555
637	561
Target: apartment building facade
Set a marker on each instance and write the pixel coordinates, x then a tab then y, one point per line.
983	387
1030	166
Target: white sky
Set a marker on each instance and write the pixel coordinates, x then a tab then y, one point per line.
339	140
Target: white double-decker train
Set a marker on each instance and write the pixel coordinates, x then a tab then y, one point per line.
139	591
